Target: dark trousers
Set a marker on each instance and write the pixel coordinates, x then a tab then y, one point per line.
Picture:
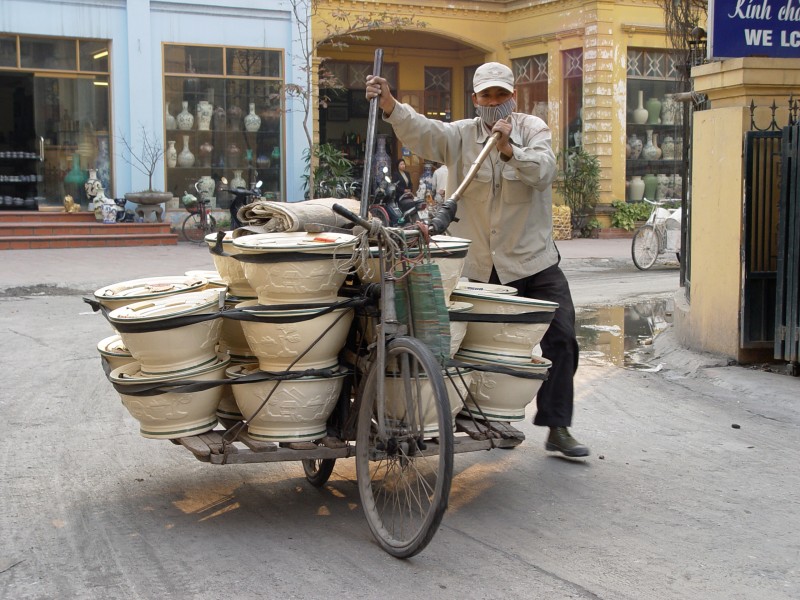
555	398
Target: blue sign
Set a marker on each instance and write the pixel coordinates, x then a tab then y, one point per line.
739	28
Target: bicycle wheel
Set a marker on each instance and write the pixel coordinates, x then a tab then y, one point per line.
645	247
318	471
195	230
404	477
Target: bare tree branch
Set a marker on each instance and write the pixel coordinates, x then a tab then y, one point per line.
146	160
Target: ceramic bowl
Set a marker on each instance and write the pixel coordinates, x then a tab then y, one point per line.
213	278
114	351
502	341
302	267
449	253
297	409
232	340
279	345
172	415
458	329
396	407
227	409
150	288
502	397
230	270
166	351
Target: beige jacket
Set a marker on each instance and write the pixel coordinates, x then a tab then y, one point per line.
507	209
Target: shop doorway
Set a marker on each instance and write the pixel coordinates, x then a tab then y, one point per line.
19	152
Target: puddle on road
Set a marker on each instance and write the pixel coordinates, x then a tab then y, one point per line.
623	335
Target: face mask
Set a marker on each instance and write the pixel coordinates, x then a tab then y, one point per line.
492	114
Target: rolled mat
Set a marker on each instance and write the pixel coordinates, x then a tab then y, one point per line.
268	216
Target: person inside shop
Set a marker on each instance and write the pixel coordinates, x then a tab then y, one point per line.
440	184
507	213
402	180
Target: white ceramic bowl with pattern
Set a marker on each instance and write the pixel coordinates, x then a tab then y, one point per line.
150	288
458	329
113	350
230	270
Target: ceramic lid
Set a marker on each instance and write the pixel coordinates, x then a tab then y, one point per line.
151	287
537	362
494	288
298	241
470	295
211	300
113	346
459	307
213	277
132	372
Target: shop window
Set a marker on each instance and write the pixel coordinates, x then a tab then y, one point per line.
573	97
223	119
48	53
8	51
531	74
437	93
654	130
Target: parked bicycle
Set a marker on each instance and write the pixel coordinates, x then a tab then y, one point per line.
660	233
199	222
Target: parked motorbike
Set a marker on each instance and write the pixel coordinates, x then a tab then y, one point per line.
241	197
393	211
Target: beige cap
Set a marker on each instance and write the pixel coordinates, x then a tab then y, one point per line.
492	74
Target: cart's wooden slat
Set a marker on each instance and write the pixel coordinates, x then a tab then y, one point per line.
483	430
214	441
281	454
256	445
196	446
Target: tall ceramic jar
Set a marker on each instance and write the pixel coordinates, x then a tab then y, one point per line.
185	158
668	107
235	118
640	114
668	148
206	186
171	154
169	120
185	119
204	112
653	111
636	146
238	181
636	189
205	153
650	185
252	122
649	152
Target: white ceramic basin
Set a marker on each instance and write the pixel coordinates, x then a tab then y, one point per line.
458	329
114	351
232	340
150	288
230	270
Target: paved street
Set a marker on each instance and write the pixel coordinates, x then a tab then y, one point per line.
690	491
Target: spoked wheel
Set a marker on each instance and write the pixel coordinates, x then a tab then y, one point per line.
645	247
404	449
194	230
318	471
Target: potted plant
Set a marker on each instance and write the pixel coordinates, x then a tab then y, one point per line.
145	161
333	171
579	184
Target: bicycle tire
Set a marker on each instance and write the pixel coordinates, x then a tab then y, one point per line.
194	230
318	471
645	247
403	481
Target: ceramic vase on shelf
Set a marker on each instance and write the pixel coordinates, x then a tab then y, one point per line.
252	122
668	148
662	186
636	146
232	155
235	118
185	158
205	154
381	162
263	161
185	119
649	151
636	189
653	107
206	186
237	181
658	148
640	114
171	154
275	157
169	120
668	107
73	182
204	112
219	119
650	185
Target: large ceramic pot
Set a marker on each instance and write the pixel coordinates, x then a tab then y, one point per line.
172	415
296	267
152	288
227	409
294	345
503	397
113	350
230	269
177	349
449	253
458	329
232	340
297	409
510	341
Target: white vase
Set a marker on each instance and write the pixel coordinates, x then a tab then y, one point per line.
185	119
640	114
636	146
252	122
238	181
169	120
206	187
171	154
636	188
204	112
668	148
650	152
186	158
668	109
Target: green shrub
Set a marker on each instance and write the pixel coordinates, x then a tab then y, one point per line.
626	214
579	184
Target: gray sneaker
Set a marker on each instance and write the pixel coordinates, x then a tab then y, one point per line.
560	440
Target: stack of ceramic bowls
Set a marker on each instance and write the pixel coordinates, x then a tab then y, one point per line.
458	329
230	270
297	410
113	350
449	253
151	288
296	267
162	355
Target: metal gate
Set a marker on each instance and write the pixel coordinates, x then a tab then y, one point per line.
787	292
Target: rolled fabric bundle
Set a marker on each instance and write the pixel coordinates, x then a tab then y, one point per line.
268	216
